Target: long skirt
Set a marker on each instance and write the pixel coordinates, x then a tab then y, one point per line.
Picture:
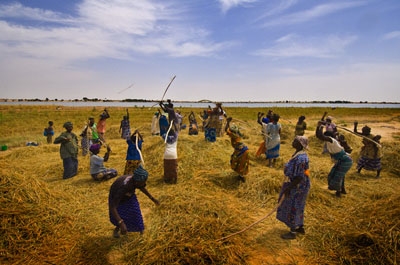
338	172
131	166
170	170
210	134
70	165
261	149
130	212
291	211
273	152
240	162
373	164
85	144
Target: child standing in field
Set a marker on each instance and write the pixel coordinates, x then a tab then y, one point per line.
49	132
133	154
86	139
101	125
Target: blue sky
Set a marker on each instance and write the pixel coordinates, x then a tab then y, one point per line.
221	50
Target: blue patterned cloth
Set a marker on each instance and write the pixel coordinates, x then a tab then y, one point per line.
291	211
130	212
339	170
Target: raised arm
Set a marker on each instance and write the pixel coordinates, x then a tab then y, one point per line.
228	121
319	133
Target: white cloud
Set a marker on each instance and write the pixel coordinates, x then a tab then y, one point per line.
313	13
105	28
16	10
228	4
392	35
293	46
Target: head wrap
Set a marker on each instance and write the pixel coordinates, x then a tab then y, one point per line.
303	141
329	118
235	129
366	130
94	148
67	124
140	174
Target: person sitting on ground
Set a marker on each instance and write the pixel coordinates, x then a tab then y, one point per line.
370	154
123	205
97	169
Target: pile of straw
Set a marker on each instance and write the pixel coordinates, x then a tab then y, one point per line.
49	220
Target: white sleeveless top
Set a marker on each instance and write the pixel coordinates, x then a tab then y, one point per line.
334	147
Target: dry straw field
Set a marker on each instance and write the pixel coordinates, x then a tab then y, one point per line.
48	220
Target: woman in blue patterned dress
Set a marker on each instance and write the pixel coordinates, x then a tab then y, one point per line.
295	189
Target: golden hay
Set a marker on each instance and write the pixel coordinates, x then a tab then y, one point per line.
46	219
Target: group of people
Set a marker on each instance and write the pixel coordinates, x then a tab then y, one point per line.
124	210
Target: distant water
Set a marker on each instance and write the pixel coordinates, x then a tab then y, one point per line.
204	104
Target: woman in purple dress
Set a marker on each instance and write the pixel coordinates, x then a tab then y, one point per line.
124	208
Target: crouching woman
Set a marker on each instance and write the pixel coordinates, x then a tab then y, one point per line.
124	208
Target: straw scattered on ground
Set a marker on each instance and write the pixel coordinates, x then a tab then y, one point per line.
48	220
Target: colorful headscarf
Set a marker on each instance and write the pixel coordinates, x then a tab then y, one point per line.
94	148
140	174
303	141
235	129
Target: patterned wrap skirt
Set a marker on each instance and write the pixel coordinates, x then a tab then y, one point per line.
372	164
106	174
273	152
131	166
130	212
240	161
210	134
339	170
291	211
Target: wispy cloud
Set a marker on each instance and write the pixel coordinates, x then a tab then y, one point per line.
313	13
113	28
228	4
17	10
291	45
278	9
392	35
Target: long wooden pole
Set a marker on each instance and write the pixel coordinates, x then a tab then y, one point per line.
259	221
369	139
